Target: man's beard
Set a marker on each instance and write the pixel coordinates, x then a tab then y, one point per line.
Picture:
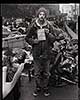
42	20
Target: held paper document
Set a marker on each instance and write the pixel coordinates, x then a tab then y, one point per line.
41	34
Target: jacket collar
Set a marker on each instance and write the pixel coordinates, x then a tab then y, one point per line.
45	23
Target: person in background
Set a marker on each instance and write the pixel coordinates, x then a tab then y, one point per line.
40	36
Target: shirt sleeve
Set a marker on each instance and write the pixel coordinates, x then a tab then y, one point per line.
55	34
29	35
51	35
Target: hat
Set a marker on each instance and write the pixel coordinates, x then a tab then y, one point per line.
42	9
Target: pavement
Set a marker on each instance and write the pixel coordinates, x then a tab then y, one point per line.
68	92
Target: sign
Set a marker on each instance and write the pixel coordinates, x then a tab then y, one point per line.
41	34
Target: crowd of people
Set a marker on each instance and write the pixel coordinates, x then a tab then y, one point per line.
20	25
12	27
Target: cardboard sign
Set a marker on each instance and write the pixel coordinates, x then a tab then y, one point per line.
41	34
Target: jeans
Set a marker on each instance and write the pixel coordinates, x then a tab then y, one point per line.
41	73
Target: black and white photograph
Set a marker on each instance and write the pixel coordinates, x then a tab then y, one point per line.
40	51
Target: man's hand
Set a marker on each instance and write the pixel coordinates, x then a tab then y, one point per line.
36	41
46	31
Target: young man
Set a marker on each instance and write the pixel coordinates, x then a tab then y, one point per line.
41	36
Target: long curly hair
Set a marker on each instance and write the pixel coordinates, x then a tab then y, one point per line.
42	9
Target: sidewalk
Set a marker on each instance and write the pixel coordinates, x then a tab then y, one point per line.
69	92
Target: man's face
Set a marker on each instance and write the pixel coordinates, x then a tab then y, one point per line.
41	16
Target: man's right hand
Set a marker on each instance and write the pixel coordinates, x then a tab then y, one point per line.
36	41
